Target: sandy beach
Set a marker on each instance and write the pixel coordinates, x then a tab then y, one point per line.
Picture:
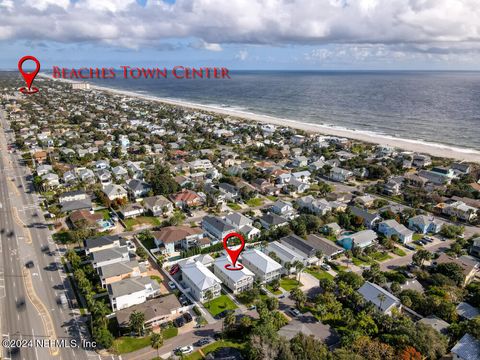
434	149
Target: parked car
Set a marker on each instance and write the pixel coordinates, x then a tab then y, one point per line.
326	267
410	247
29	264
183	350
427	239
174	269
252	307
172	285
179	322
188	318
203	342
294	312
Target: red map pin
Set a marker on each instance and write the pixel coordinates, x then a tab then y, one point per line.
234	254
29	77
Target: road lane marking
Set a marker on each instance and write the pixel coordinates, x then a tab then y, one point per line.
42	310
20	222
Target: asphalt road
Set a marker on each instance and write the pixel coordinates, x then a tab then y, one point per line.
23	232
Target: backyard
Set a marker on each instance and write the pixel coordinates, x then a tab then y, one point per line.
219	304
141	220
126	344
289	284
254	202
319	274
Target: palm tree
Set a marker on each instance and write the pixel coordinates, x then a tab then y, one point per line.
156	341
299	266
229	320
137	320
382	299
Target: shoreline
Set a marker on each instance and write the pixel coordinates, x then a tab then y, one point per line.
433	149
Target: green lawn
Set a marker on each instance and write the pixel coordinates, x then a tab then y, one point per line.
289	284
254	202
217	305
417	237
399	252
319	274
275	292
359	262
105	213
151	220
234	206
380	256
272	198
170	332
214	346
127	344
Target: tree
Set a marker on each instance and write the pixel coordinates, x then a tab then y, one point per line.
306	347
410	353
162	180
272	303
142	253
373	274
73	258
229	321
136	322
451	231
420	256
156	342
103	336
373	349
429	341
208	295
299	266
451	270
298	296
350	278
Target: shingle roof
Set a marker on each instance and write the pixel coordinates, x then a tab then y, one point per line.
100	241
262	261
200	275
130	286
467	348
372	292
152	309
172	234
235	276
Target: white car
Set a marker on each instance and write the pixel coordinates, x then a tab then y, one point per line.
185	350
171	285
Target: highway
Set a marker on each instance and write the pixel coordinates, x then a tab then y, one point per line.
29	296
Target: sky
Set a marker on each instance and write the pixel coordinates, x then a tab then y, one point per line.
244	34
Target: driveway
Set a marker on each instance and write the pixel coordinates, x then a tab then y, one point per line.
308	281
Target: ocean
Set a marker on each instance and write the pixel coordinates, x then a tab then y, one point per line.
435	107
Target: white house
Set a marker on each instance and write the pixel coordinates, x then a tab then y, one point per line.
238	280
200	281
284	254
392	227
110	256
132	291
262	265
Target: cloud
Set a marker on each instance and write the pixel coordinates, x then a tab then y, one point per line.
242	55
200	44
419	25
